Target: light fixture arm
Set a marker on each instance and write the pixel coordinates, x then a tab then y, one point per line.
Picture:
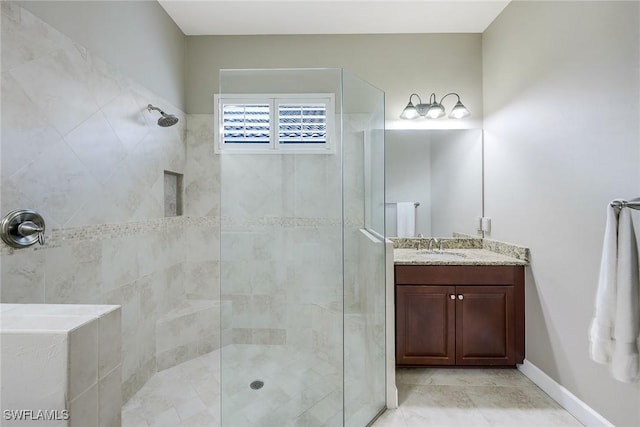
450	93
415	94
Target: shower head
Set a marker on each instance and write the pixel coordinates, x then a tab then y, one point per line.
166	120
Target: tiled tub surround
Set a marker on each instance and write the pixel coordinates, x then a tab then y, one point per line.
62	357
79	147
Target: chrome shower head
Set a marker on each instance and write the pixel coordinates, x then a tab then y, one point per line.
166	120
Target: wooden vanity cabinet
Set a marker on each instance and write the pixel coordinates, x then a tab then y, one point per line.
459	315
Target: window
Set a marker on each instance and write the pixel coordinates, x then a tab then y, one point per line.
246	122
302	122
298	123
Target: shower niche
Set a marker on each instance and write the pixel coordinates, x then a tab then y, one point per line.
302	249
172	194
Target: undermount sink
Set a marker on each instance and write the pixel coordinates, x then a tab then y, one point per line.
442	255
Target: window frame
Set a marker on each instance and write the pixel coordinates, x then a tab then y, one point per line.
274	101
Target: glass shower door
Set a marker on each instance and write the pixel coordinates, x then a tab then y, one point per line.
364	251
281	260
302	248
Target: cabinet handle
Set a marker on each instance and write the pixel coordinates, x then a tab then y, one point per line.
460	297
452	296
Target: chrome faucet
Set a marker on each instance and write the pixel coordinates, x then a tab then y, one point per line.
434	240
420	237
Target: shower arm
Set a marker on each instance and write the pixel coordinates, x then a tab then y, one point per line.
151	107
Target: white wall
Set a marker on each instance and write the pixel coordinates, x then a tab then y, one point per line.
562	138
398	64
137	37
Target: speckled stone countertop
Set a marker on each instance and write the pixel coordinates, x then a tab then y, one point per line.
459	251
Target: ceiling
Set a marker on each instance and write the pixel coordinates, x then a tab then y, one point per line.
235	17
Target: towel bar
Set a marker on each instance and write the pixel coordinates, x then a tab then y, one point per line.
633	204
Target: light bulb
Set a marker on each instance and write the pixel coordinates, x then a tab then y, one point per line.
459	111
435	111
409	112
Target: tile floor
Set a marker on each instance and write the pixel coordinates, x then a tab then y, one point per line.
471	397
298	393
189	395
184	395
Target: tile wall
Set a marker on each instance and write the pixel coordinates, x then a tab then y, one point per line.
79	146
71	354
282	248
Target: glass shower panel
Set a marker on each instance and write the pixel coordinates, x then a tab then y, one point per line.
281	270
302	250
364	251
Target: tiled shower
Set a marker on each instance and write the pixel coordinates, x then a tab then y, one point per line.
275	262
79	146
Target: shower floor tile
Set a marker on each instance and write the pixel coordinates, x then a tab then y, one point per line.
184	395
471	397
189	394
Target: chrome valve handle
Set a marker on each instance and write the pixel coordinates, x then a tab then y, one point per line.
22	228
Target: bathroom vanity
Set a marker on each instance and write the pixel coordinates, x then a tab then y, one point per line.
459	306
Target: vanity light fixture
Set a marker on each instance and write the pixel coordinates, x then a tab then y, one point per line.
434	109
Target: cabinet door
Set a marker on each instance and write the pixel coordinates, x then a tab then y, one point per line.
485	324
425	325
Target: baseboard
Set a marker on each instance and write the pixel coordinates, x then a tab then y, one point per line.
576	407
392	397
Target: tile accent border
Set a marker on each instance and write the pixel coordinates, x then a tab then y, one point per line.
569	401
56	236
99	232
228	224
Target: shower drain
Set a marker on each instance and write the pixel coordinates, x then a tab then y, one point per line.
256	385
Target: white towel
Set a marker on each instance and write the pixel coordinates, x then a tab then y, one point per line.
615	330
624	364
406	219
601	333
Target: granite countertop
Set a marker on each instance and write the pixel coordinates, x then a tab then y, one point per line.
450	257
460	252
